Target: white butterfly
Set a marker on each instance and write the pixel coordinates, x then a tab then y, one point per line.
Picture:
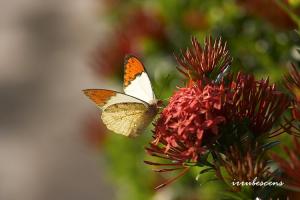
127	113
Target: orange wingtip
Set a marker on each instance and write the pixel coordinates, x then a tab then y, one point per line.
100	97
133	67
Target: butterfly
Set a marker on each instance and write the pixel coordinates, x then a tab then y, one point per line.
128	113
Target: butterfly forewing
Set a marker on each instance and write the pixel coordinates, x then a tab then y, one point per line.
136	80
104	98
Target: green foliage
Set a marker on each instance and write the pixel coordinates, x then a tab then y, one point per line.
126	168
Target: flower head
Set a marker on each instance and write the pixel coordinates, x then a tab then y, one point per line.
258	102
199	63
187	126
245	165
191	119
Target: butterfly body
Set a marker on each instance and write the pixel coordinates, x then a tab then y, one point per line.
127	113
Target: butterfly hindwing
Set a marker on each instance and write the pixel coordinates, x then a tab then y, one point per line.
128	119
136	80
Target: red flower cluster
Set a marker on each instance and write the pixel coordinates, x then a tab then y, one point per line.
190	123
210	115
192	116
